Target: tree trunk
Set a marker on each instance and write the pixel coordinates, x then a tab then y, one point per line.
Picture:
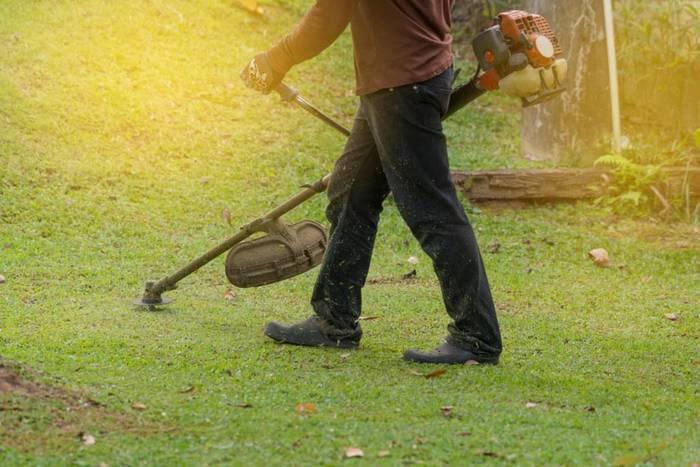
575	127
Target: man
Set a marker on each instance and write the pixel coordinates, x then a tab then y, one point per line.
403	64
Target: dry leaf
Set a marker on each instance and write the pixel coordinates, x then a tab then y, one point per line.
244	405
672	316
446	411
351	452
383	453
230	294
138	406
251	6
646	279
307	408
87	438
2	279
494	248
531	405
205	180
188	389
409	275
226	215
434	374
488	453
600	257
464	433
412	260
471	363
345	356
368	318
589	408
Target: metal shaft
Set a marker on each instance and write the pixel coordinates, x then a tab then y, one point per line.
168	283
461	96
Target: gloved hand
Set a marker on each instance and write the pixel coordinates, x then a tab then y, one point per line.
259	75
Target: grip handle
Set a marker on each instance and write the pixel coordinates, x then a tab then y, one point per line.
287	93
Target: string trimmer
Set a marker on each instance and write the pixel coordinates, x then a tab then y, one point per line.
519	54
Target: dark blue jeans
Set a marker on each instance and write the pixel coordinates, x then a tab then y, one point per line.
397	144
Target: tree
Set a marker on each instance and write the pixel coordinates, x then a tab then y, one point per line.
576	126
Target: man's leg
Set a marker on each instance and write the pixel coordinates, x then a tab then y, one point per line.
356	192
407	128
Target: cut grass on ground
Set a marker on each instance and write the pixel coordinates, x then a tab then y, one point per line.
124	133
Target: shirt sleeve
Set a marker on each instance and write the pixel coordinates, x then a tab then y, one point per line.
321	26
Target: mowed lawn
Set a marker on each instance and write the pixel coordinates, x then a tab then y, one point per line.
124	134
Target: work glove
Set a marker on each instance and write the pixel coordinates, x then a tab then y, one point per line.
259	75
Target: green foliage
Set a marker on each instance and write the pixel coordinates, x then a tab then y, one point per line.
658	49
632	182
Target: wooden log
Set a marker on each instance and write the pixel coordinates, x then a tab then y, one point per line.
546	185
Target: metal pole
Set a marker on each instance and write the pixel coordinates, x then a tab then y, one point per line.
612	71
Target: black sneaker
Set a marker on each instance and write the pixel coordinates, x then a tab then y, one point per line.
447	353
309	333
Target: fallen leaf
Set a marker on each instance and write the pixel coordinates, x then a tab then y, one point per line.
2	279
589	408
226	215
600	257
672	316
446	411
412	260
230	294
351	452
188	389
251	6
303	409
368	318
464	433
548	242
87	438
244	405
531	405
494	248
383	453
420	440
205	180
488	453
409	275
345	356
433	374
646	279
139	406
471	363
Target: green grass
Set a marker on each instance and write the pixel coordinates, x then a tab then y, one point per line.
124	132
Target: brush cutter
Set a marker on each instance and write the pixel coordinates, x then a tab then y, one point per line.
518	53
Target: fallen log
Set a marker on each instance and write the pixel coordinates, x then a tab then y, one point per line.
515	187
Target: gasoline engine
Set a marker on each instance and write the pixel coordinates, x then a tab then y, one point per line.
521	56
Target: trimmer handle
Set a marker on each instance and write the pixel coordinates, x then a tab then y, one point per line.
287	93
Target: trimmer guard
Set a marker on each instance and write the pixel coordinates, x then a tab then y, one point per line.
286	252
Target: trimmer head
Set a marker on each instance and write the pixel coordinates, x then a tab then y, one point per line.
151	304
152	299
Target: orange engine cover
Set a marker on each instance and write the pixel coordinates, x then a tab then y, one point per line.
517	25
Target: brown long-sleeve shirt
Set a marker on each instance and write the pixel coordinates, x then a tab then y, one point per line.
396	42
